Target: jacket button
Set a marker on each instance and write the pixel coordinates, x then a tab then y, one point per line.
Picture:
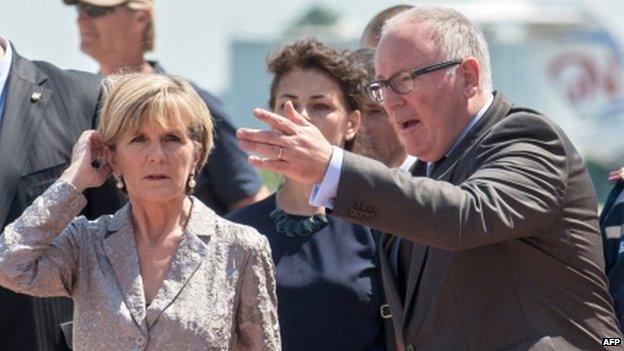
140	341
409	348
353	212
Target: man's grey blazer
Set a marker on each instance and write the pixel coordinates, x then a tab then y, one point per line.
507	253
46	110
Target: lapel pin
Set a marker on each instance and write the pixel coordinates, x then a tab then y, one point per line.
35	96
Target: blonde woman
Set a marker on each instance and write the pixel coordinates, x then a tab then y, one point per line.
163	273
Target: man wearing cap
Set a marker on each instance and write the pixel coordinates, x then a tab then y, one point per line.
117	34
43	111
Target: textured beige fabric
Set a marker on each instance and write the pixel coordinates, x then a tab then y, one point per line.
218	293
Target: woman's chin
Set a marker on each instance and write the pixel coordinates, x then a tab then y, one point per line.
156	194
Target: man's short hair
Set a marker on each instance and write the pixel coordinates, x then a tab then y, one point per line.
455	35
373	28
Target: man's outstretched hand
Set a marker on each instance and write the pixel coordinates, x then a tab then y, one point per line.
293	147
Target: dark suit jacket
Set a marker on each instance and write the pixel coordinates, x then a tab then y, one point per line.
507	252
612	229
36	139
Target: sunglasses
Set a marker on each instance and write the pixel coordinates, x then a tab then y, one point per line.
94	11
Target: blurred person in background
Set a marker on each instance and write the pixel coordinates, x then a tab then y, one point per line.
372	31
118	34
43	111
377	137
327	273
612	229
163	273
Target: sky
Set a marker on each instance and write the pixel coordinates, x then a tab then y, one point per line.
192	36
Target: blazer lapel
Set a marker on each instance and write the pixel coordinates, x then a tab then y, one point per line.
189	256
499	109
26	102
120	247
419	255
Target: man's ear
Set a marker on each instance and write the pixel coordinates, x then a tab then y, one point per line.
470	71
354	121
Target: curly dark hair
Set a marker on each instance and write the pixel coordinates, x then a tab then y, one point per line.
308	53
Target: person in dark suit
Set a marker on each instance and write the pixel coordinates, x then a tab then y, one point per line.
43	111
118	34
612	229
494	240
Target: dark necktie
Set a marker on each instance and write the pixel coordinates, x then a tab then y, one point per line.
405	246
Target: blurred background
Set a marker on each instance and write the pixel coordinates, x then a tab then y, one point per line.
564	58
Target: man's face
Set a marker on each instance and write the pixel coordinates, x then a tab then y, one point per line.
429	118
111	34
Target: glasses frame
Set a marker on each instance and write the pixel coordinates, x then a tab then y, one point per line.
414	73
94	11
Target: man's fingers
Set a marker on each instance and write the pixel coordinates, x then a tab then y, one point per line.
275	121
267	150
260	136
291	113
270	164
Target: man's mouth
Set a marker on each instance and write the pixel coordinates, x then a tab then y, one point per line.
407	124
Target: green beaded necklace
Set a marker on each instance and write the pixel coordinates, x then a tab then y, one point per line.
298	226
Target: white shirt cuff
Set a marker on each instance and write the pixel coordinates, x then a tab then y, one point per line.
324	194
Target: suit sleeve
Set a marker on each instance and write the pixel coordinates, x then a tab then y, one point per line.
257	326
38	252
516	184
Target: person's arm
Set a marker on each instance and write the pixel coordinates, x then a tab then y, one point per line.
257	326
34	258
517	184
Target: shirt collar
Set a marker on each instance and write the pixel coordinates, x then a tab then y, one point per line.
471	124
466	130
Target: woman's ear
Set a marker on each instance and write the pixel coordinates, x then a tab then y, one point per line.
197	151
353	124
109	154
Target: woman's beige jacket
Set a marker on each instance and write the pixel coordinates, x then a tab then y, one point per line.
218	293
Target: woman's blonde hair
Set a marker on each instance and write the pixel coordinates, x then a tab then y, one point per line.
133	99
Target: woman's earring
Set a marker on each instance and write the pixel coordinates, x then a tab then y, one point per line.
191	181
118	182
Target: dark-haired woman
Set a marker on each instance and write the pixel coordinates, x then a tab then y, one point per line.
327	275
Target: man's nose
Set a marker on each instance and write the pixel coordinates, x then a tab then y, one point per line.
392	100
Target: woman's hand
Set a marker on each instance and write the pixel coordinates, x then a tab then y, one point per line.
81	174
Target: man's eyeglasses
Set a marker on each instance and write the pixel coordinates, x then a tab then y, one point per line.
94	10
403	82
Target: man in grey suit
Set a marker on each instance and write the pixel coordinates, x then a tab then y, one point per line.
43	111
495	242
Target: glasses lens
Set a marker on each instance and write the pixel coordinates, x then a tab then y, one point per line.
375	92
403	83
